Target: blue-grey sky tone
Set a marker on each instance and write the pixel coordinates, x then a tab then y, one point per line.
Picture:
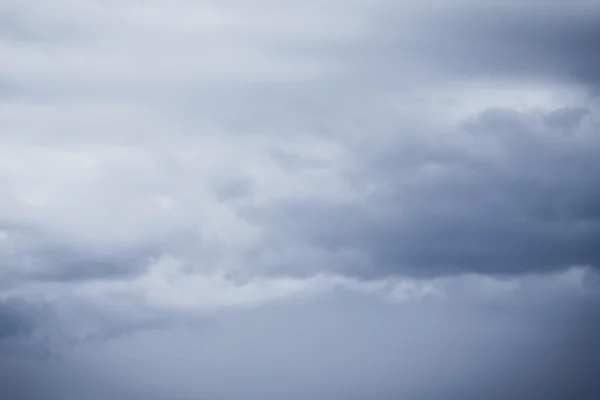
285	199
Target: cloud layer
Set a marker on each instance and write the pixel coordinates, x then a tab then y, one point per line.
266	199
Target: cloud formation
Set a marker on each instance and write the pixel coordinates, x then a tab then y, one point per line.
328	199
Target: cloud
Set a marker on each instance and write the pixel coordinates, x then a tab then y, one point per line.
93	44
329	199
503	191
447	40
528	40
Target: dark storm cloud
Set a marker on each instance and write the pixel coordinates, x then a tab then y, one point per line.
513	192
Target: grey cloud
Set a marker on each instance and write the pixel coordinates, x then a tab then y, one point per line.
432	42
160	166
566	118
534	210
528	205
33	255
535	43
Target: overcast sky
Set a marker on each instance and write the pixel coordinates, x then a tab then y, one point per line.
286	199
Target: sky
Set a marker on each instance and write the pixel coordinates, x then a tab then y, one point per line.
325	199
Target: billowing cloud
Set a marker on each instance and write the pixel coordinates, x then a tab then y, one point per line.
505	191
